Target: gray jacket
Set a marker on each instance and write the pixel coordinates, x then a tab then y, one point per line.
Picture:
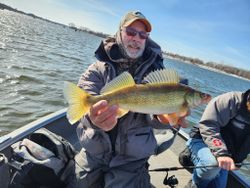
225	126
134	136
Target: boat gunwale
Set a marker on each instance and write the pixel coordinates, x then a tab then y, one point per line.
29	128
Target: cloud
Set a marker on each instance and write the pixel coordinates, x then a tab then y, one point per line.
96	7
227	55
233	51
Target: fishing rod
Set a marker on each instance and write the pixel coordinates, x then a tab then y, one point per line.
191	167
172	181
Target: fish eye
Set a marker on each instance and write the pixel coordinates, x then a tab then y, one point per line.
203	95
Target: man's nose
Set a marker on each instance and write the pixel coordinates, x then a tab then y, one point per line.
137	37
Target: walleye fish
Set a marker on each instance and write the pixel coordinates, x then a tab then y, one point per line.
161	94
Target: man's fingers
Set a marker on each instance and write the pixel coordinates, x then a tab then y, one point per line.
97	107
226	163
103	116
106	113
109	123
226	166
233	167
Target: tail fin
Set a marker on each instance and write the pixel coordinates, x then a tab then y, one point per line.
76	98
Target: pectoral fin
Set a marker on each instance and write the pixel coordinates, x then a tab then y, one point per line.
173	118
163	118
184	111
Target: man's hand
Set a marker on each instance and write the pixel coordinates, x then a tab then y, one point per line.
180	122
226	163
103	116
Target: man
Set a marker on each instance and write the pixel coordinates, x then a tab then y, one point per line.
115	151
222	138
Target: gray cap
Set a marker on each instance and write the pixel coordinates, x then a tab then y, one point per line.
132	16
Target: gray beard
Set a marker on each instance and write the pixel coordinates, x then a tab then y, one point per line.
134	55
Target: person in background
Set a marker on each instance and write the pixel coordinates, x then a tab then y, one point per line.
115	151
221	138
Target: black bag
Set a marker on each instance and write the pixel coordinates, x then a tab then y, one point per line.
44	160
185	158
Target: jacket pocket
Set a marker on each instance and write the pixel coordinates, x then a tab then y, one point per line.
95	142
140	143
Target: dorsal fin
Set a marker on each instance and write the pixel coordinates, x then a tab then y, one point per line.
163	76
122	81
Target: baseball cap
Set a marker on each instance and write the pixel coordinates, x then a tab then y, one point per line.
132	16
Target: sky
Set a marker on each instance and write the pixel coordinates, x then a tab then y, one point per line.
211	30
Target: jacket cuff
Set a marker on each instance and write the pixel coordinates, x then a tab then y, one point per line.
85	121
223	155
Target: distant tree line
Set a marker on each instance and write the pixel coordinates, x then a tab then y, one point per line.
85	29
71	25
3	6
225	68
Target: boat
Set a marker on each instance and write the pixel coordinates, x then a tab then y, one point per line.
58	123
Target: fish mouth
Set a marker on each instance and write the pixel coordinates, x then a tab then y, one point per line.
206	98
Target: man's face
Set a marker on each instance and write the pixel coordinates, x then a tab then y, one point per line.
134	45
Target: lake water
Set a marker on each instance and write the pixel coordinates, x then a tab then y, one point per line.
37	56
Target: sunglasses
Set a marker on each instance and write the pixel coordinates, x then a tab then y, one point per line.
133	32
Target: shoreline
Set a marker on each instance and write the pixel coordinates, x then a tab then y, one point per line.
206	67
